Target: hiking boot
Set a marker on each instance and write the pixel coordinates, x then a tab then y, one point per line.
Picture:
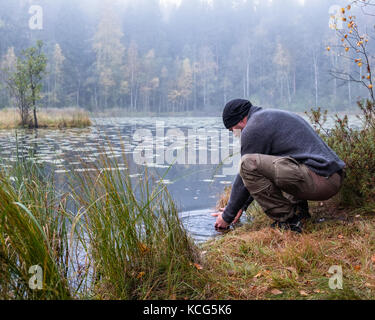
302	210
293	225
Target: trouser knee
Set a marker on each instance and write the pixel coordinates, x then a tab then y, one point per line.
249	164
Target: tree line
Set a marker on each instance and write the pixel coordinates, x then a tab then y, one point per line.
142	56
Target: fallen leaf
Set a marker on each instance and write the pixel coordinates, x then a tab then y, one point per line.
317	291
198	266
303	293
276	292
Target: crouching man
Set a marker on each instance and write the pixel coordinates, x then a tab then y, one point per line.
284	163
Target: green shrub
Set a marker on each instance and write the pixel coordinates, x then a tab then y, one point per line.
356	147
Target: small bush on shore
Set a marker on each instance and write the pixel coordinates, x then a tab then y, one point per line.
356	147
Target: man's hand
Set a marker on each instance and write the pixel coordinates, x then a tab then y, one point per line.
220	223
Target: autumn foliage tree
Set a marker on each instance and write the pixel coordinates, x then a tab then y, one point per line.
355	47
355	146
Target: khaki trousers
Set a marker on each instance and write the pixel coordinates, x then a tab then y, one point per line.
278	183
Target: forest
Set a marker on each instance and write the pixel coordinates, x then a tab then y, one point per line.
188	56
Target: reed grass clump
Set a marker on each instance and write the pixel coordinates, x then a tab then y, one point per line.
33	232
137	244
107	237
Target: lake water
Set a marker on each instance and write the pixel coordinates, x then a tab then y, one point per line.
190	150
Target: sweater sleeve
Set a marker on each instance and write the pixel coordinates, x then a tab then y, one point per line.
239	197
252	142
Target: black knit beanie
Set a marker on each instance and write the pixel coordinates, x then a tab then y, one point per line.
235	111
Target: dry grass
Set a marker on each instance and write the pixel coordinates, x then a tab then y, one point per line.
48	118
224	198
257	262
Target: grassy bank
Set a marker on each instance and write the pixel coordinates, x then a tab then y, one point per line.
48	118
258	262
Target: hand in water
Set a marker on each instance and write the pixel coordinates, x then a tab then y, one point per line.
220	223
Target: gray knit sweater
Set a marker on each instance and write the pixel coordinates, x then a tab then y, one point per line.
280	133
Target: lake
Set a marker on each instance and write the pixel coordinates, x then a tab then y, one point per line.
192	156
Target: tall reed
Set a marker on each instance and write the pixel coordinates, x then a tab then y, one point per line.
33	232
138	246
122	240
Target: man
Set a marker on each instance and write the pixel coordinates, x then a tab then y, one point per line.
284	163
